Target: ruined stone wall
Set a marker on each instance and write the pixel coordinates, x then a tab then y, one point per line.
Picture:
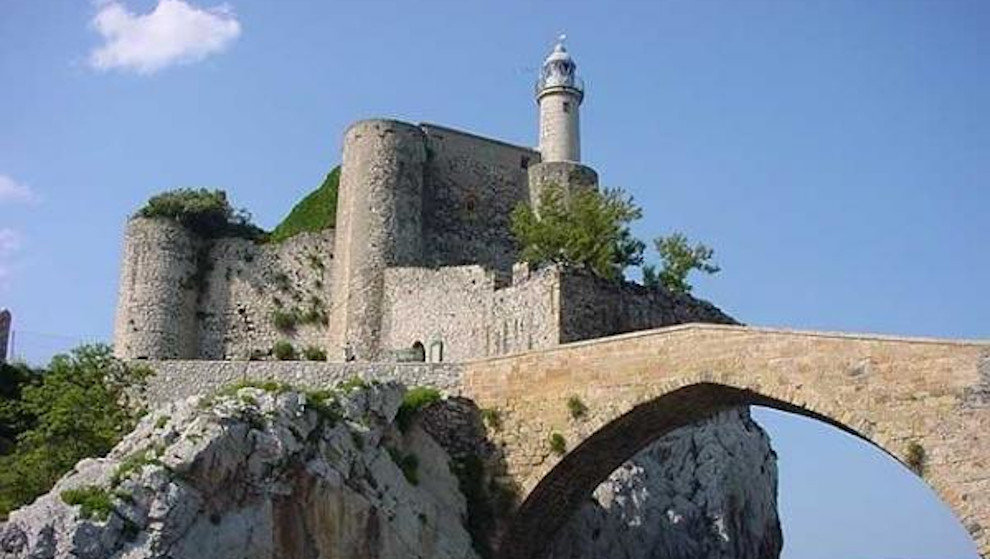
4	334
593	308
156	302
183	297
472	186
466	310
248	283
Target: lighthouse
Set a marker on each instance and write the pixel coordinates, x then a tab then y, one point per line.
559	92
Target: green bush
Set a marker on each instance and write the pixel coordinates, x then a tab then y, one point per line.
316	212
93	501
285	321
585	229
313	353
414	400
284	351
576	407
678	258
79	407
915	458
558	444
207	212
492	418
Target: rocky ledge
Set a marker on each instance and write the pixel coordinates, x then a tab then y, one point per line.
256	473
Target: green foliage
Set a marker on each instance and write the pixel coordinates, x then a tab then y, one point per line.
408	463
284	351
93	501
207	212
492	418
915	458
80	407
589	229
161	422
316	212
285	321
353	384
576	407
326	406
558	444
272	386
14	419
134	463
677	259
313	353
414	400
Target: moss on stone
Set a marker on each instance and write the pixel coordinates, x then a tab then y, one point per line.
316	212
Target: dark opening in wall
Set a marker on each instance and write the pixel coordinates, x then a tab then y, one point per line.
419	352
524	162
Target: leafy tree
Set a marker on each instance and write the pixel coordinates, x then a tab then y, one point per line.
587	229
81	407
678	258
207	212
14	419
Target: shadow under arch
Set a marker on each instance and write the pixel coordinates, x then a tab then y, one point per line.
567	486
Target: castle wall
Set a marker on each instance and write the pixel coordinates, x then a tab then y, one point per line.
592	308
472	186
182	297
248	283
156	306
379	224
463	308
176	380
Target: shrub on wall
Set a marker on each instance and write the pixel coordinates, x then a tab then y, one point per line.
576	407
316	212
558	445
284	351
586	229
207	212
313	353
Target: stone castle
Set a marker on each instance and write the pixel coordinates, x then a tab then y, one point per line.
421	264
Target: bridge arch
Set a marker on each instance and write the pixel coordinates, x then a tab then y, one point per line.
894	393
567	486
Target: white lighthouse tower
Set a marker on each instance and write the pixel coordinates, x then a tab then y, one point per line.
559	93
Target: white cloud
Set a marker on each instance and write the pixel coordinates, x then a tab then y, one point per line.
175	32
13	191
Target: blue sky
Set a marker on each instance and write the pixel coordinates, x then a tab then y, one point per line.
835	154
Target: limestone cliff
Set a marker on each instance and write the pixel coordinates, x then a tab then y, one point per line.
706	491
255	474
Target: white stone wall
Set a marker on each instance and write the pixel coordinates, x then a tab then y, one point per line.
464	309
249	282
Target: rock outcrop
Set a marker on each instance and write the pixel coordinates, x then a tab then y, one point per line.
706	491
255	474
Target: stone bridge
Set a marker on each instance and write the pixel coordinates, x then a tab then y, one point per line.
924	402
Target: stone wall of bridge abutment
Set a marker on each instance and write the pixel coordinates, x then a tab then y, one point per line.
896	393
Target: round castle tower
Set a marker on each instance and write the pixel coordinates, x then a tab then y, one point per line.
156	308
379	224
559	93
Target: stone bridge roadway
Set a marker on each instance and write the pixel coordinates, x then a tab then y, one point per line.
895	393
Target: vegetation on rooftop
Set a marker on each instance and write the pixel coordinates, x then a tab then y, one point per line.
206	212
316	212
